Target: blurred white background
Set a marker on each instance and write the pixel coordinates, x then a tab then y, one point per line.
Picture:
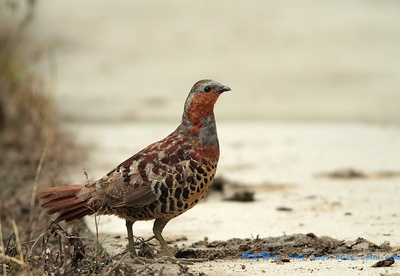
306	60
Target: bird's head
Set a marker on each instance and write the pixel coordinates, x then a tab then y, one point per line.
201	99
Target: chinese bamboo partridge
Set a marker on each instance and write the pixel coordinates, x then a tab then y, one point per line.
161	181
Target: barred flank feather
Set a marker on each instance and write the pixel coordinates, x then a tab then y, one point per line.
63	200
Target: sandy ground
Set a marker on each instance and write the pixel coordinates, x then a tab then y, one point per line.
123	69
280	162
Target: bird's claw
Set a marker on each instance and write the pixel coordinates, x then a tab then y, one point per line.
142	260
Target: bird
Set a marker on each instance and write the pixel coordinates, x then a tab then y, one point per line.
160	182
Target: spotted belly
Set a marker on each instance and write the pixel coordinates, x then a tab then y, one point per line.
176	198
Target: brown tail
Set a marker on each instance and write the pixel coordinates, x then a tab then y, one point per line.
63	200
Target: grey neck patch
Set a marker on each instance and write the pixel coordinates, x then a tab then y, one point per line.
208	132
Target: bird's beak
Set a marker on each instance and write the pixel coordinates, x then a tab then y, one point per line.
222	89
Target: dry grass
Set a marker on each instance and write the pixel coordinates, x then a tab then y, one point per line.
33	153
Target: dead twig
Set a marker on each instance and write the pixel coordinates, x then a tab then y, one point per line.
15	260
34	189
2	249
114	266
17	240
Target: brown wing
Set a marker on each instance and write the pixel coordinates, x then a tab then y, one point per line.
140	196
131	184
126	188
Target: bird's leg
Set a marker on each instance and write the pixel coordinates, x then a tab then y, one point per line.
158	226
131	245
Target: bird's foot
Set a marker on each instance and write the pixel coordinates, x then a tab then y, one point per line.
135	257
142	260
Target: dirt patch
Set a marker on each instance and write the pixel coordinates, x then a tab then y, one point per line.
282	248
240	191
351	173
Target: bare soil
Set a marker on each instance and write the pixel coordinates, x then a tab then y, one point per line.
281	247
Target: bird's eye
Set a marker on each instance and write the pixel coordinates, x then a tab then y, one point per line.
207	89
